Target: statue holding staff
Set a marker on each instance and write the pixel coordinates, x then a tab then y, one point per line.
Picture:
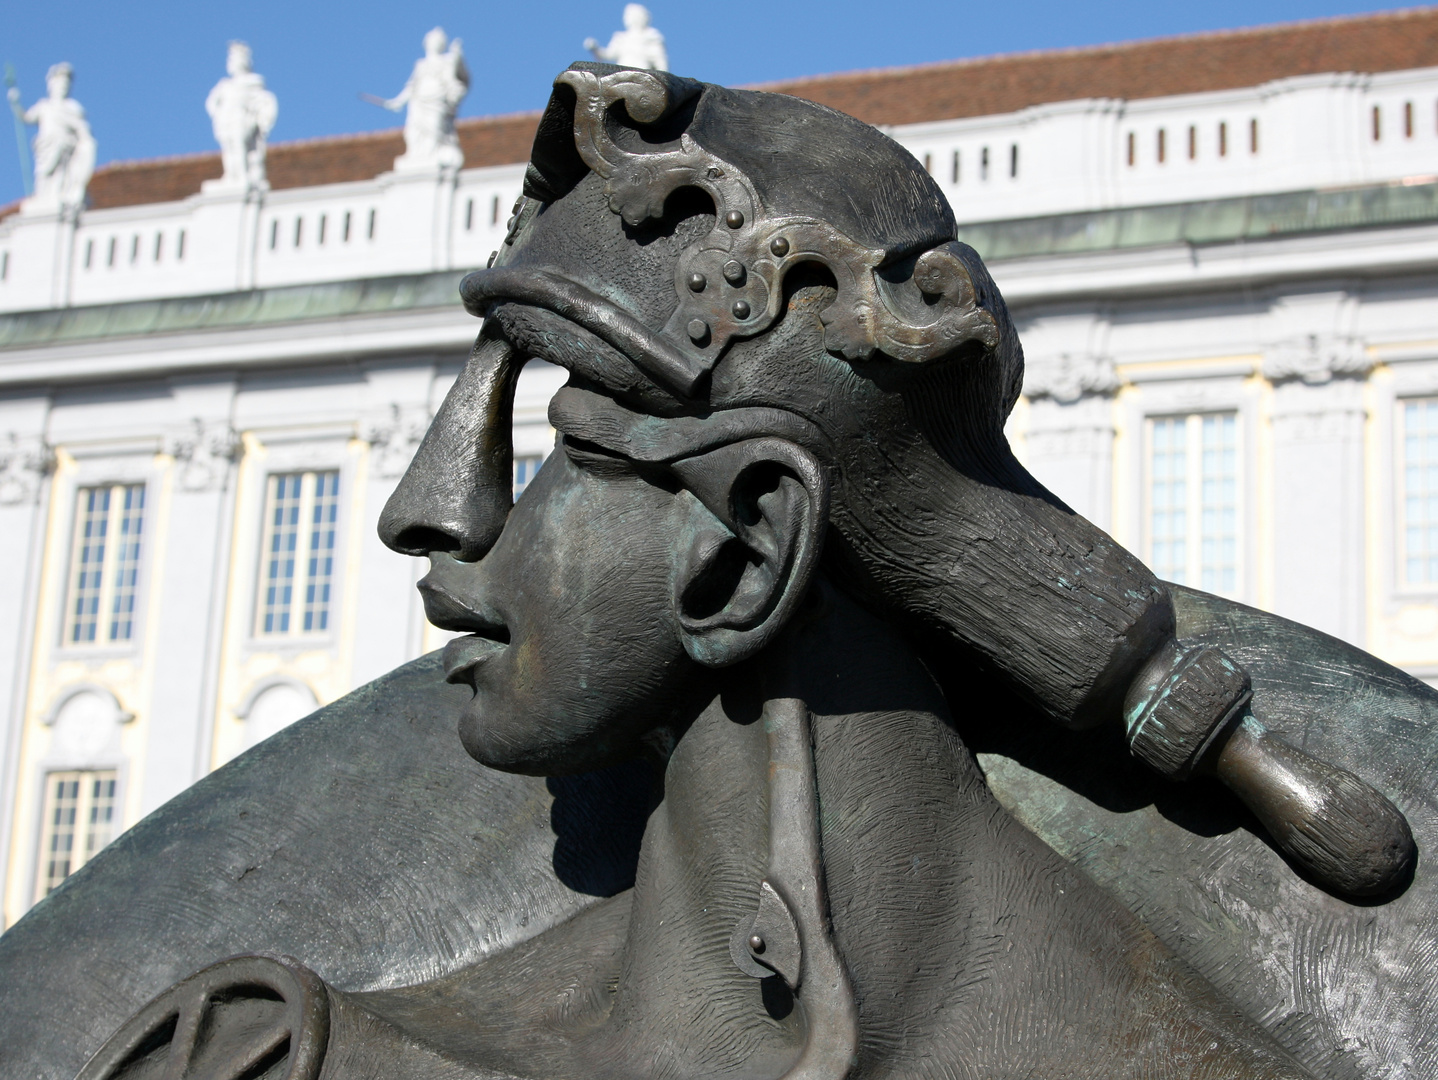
64	147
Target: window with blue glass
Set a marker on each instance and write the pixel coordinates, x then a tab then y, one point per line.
76	821
1418	536
1192	512
297	553
103	592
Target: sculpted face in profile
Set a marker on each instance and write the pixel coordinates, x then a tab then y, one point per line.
575	623
783	554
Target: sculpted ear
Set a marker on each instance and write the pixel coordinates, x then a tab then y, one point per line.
750	559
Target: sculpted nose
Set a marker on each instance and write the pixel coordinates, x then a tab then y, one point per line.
459	488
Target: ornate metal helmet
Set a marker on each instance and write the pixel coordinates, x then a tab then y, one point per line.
792	184
753	263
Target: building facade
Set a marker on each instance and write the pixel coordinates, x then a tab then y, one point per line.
1222	253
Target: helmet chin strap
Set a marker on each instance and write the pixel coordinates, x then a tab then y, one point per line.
790	935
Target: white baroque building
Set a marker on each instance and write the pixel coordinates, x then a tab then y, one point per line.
1222	252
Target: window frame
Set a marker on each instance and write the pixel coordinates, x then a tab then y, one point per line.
1193	502
84	801
109	758
1161	384
98	466
520	483
109	565
1397	620
304	512
1396	548
1409	373
317	449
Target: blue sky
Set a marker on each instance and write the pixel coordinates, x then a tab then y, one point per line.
143	69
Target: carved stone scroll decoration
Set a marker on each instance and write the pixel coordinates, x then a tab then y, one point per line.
394	436
24	461
1316	358
203	452
729	283
1068	377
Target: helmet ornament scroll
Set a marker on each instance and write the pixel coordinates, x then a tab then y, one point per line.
729	284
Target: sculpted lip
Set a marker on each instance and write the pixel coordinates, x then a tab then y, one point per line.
463	655
447	607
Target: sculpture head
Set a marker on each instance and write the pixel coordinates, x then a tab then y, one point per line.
623	579
636	16
59	80
781	360
435	42
239	60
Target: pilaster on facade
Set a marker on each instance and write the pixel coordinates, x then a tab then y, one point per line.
1319	502
393	433
1313	334
1069	448
202	449
1068	437
1316	358
27	462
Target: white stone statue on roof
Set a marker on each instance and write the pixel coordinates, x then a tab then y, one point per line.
638	45
64	147
243	113
436	87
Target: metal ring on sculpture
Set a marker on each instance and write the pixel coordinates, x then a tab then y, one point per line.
238	1018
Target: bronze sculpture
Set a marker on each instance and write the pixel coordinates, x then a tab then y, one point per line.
782	577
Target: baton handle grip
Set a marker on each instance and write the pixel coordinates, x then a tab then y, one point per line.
1344	833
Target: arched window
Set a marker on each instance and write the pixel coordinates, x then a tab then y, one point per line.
272	706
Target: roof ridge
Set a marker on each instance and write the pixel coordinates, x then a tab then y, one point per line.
164	159
1097	49
495	118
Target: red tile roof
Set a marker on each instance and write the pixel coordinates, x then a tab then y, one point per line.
490	140
1390	41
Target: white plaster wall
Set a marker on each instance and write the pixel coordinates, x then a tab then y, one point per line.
221	243
1313	131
